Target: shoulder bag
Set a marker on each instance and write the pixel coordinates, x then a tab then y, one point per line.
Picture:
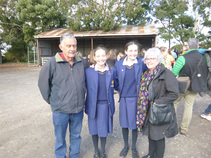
160	114
184	81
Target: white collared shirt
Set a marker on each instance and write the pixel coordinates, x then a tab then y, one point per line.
105	69
125	62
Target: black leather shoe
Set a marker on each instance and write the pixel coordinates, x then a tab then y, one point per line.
96	155
124	152
103	155
146	156
135	154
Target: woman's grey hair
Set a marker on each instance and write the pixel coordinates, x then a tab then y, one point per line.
65	36
155	52
193	43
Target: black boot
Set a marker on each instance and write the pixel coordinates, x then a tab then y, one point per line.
124	151
146	156
135	153
96	155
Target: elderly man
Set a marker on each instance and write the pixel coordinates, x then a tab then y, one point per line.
186	65
62	85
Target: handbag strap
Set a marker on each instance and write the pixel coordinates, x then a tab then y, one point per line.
196	68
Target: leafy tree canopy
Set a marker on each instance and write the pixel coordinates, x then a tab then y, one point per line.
38	16
12	31
177	24
105	14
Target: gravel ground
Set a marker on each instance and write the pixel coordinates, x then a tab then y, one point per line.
27	129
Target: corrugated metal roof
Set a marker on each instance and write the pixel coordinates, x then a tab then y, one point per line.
123	31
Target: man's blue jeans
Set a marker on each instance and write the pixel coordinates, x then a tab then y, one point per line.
61	121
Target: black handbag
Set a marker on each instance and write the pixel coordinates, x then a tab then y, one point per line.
160	114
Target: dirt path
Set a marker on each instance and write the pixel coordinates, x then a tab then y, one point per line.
27	129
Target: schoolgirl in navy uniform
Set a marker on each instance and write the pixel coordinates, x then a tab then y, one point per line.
129	72
99	104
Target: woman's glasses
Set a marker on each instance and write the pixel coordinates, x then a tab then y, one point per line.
150	59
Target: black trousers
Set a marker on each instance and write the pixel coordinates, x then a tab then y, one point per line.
156	148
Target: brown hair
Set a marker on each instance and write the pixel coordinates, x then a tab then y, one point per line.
113	53
132	43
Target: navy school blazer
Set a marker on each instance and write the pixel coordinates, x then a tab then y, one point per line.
92	87
120	74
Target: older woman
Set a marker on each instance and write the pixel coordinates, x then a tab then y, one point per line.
159	85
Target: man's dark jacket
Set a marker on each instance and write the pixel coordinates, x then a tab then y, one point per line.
62	86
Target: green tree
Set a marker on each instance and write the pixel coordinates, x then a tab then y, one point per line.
136	12
175	23
206	42
11	31
38	16
105	14
202	14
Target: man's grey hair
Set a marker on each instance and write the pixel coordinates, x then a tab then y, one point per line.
65	36
155	52
193	43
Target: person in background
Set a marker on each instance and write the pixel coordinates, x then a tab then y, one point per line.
129	73
88	59
79	54
186	65
62	85
158	85
184	49
92	61
120	55
173	53
207	113
99	104
168	59
141	54
112	57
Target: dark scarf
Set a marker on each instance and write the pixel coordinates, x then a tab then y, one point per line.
143	97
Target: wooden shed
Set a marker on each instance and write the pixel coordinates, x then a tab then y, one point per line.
48	42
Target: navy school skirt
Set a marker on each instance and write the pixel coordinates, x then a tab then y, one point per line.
127	112
102	124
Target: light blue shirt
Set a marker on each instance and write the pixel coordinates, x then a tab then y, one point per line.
174	54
